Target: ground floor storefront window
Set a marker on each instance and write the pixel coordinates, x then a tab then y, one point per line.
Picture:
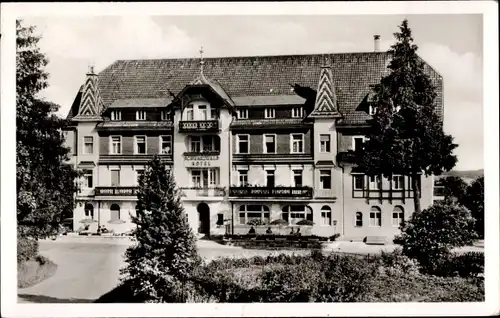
248	213
295	213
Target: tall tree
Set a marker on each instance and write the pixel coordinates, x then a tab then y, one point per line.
160	263
45	184
406	135
455	188
474	201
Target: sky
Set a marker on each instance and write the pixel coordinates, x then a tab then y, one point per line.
452	44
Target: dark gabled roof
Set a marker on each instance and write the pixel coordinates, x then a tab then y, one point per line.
250	77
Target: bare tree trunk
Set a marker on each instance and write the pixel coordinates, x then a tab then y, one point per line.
416	192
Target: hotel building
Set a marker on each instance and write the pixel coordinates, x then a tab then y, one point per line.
259	137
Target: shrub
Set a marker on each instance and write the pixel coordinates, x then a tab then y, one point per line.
396	263
470	264
34	270
430	235
255	222
305	222
334	237
27	249
279	222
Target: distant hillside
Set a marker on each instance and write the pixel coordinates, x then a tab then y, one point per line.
468	174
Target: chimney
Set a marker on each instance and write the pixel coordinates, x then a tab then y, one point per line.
376	40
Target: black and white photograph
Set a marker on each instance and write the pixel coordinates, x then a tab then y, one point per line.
222	154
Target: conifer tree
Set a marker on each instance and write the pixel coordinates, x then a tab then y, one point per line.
406	135
159	264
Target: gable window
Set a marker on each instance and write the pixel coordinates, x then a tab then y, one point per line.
326	216
140	145
269	144
375	182
115	177
359	219
297	178
203	112
398	216
116	145
243	144
359	181
297	112
325	179
269	113
372	110
166	144
189	112
324	143
195	144
297	143
397	182
88	145
242	113
116	115
270	178
140	115
88	176
165	115
357	143
243	178
375	216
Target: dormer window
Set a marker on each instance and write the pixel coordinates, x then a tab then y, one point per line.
297	112
269	113
372	110
140	115
116	115
242	113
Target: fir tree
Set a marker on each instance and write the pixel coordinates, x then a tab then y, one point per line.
160	263
406	135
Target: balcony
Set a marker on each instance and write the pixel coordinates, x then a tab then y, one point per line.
265	192
199	126
116	191
192	193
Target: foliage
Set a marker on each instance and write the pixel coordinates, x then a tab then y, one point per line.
474	201
305	222
255	222
161	261
455	188
279	222
470	264
396	263
406	135
429	236
34	270
45	184
27	249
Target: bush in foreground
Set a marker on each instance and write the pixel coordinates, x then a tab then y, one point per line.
34	270
27	249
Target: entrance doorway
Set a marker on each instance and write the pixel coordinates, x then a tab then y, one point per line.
203	218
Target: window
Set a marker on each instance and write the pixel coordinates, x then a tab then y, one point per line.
196	178
114	212
166	144
140	145
204	178
372	110
296	213
359	181
357	143
140	115
419	182
116	115
325	179
195	144
324	143
89	210
88	145
397	182
243	178
269	144
210	143
243	143
326	216
270	178
115	177
248	213
189	112
375	182
220	219
375	217
297	112
165	115
139	174
398	216
88	175
269	113
116	145
297	143
297	178
214	113
203	112
359	219
242	113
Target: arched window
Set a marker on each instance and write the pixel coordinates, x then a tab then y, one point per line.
89	210
359	219
248	213
295	213
326	215
375	216
398	215
114	212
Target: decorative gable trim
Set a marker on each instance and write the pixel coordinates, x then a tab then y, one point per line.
326	98
91	104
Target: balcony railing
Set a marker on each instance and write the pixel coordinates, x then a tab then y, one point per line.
116	191
203	192
198	125
263	192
